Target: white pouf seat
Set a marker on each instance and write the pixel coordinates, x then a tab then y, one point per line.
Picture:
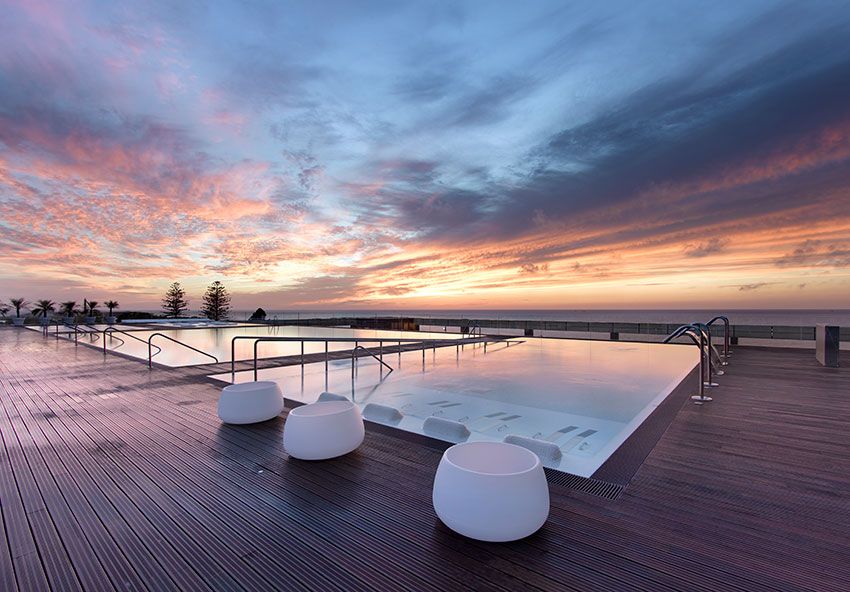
323	430
491	491
250	402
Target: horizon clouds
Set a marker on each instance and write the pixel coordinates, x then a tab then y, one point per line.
454	155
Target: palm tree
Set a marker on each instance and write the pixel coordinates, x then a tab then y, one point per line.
68	309
92	307
18	304
3	311
110	304
43	308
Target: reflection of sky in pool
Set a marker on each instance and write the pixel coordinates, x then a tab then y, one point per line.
217	342
585	397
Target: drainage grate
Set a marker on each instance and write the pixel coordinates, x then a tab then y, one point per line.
596	487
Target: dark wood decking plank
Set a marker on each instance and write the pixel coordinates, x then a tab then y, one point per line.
64	546
144	547
104	530
39	555
21	565
7	569
224	567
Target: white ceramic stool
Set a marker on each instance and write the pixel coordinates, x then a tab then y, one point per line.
250	402
491	491
322	430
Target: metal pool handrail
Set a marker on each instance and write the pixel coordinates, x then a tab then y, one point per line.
368	351
57	333
725	333
111	330
357	346
356	341
711	351
689	330
95	332
150	356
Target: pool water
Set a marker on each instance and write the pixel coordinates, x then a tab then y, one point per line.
585	397
217	342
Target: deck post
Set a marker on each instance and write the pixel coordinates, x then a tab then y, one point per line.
827	345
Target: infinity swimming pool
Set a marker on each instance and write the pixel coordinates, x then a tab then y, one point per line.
582	397
217	342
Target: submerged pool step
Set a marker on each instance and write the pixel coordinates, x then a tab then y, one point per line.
382	414
445	429
548	453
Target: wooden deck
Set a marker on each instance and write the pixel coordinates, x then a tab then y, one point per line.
113	476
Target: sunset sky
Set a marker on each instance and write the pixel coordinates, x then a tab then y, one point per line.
427	154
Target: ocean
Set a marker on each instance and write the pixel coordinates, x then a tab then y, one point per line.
788	317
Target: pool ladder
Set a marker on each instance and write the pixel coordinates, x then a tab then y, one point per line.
710	360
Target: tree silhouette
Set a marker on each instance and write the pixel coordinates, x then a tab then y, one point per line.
216	302
111	305
18	304
174	303
68	308
43	308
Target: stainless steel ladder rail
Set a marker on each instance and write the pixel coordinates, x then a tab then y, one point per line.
726	350
326	340
712	352
112	330
353	357
57	332
186	345
356	341
76	330
93	331
692	332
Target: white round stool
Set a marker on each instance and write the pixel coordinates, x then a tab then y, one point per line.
322	430
491	491
250	402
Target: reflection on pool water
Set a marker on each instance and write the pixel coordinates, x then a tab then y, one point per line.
583	397
217	341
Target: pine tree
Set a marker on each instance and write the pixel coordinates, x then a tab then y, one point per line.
216	302
174	303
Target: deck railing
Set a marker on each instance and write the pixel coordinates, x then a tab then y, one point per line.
493	326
